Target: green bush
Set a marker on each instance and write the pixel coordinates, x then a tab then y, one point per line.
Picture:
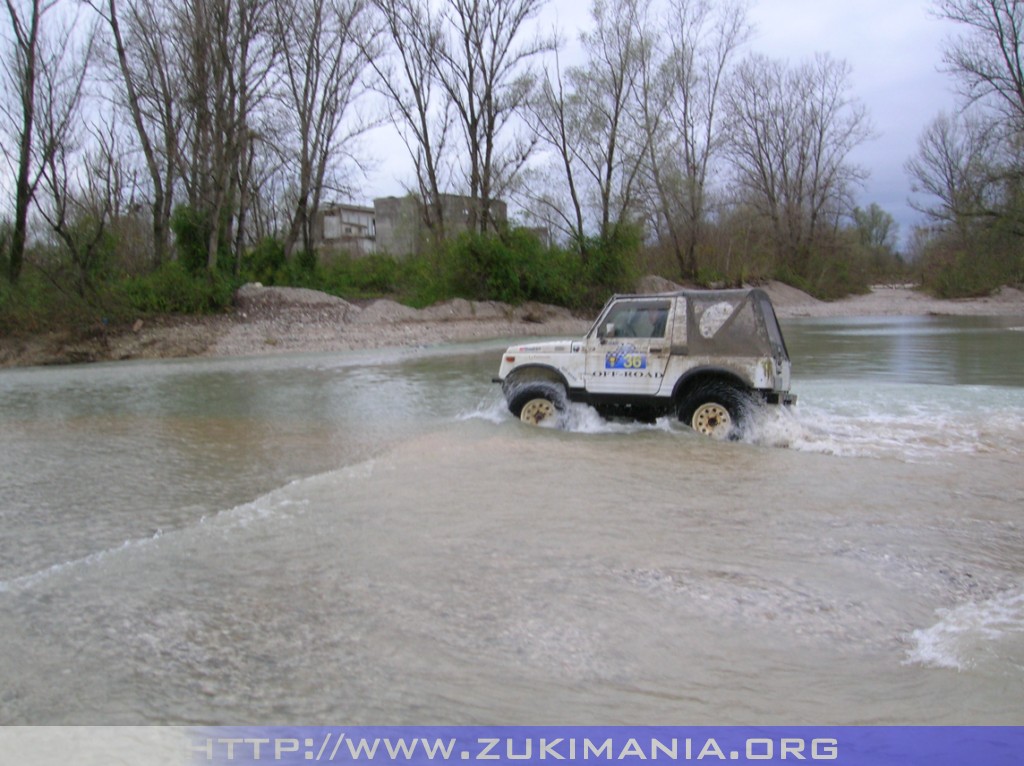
951	270
27	306
486	268
512	267
39	303
422	281
962	276
371	276
608	264
192	228
6	235
265	263
171	289
305	264
833	270
515	267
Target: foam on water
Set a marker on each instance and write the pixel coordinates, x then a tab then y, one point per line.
906	423
289	499
905	437
909	423
968	634
492	409
28	580
577	418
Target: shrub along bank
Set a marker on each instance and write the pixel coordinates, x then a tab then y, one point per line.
513	267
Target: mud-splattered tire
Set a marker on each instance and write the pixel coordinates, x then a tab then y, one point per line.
539	404
717	412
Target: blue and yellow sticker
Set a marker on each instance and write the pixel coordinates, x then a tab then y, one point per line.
625	358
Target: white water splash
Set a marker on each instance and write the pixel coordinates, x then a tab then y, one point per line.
968	632
906	423
910	424
576	418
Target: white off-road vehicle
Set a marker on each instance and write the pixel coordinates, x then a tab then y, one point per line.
707	357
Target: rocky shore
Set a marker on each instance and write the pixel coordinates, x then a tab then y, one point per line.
268	320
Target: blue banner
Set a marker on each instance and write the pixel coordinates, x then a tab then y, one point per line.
507	745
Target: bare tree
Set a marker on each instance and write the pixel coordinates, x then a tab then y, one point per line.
486	73
606	89
326	45
555	122
987	59
143	62
421	112
225	47
791	131
588	115
953	167
680	99
84	188
28	55
987	63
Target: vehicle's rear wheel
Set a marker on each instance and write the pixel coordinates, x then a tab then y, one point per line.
539	404
712	419
716	411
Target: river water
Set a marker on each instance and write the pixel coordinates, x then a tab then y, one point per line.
369	538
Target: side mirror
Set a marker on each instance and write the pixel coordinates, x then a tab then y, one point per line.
609	330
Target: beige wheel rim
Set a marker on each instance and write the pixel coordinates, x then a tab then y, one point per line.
538	412
712	419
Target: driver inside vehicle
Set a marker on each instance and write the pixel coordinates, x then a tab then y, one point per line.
649	322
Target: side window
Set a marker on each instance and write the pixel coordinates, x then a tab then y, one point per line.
616	322
636	319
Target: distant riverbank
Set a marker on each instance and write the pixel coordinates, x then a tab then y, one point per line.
269	320
893	300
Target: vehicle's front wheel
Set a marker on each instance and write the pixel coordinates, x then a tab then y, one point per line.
717	413
539	404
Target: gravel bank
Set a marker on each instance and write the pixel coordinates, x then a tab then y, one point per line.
893	300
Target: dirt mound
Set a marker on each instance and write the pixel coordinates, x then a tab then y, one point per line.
255	299
655	284
538	313
1008	294
780	293
461	309
384	311
785	296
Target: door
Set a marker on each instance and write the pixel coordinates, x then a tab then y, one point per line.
628	350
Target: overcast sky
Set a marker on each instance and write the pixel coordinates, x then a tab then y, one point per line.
893	46
895	50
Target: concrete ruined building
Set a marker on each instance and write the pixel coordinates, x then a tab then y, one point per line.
393	226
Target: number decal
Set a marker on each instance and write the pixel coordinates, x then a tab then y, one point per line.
622	360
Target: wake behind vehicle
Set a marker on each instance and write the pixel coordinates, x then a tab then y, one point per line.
707	357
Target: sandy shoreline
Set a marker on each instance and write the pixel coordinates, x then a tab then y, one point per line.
893	300
291	320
